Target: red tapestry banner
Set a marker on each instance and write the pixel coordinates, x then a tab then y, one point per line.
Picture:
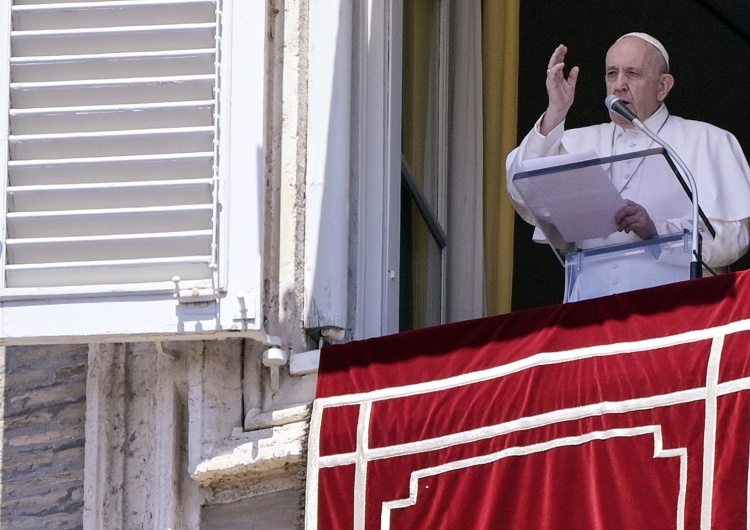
625	412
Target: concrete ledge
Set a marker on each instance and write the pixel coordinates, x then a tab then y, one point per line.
252	455
255	420
304	363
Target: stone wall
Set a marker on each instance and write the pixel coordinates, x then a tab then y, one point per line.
44	399
274	511
148	406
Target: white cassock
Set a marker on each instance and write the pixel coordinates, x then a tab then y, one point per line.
713	156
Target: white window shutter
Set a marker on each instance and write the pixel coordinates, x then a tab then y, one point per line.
114	166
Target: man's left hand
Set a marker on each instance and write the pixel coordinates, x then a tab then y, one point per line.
634	218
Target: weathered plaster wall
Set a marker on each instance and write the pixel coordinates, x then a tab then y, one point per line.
286	143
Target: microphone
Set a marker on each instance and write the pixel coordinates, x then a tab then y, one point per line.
615	104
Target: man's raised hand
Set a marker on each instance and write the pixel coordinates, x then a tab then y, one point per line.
560	90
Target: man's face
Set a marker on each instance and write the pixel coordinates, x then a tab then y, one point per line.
636	73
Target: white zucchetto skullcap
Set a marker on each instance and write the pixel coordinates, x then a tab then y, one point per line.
652	41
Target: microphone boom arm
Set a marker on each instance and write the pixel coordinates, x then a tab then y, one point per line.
696	259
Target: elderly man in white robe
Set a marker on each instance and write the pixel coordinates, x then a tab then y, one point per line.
637	72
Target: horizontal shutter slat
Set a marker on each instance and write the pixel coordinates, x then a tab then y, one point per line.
99	273
112	117
110	169
98	66
112	92
112	40
108	221
54	146
96	14
116	247
110	195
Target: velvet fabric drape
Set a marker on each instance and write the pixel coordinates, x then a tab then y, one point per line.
628	411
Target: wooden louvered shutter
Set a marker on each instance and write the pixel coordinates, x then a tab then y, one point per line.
113	176
111	148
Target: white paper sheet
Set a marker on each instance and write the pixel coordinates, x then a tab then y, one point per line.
581	203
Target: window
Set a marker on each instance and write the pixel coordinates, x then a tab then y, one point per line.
407	274
129	166
424	140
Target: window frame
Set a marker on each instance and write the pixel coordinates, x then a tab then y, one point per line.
376	162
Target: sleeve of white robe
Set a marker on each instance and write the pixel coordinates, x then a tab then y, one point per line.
727	203
533	146
730	244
